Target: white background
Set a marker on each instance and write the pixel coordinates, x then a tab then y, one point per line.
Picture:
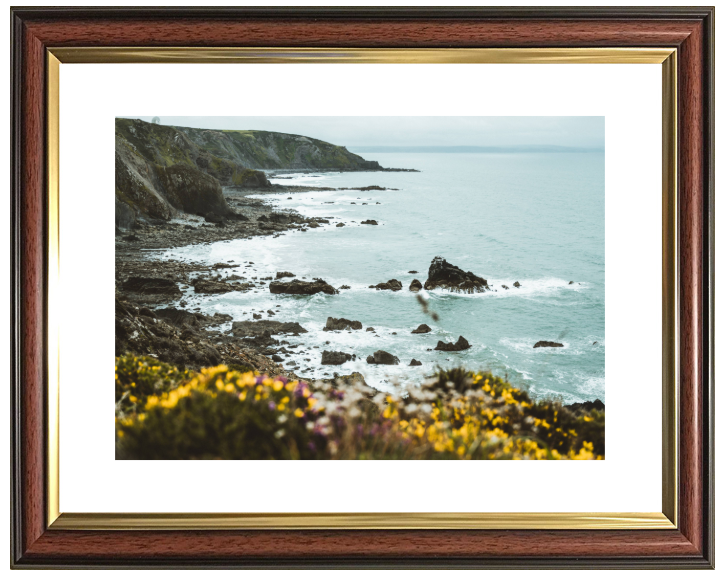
4	191
628	96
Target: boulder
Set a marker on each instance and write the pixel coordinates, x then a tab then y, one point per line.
442	274
382	357
506	288
517	284
414	362
248	178
461	344
413	272
548	344
344	287
334	358
341	324
279	275
393	285
301	287
415	285
422	329
339	225
247	328
371	222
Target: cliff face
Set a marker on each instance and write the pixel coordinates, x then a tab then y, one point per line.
162	169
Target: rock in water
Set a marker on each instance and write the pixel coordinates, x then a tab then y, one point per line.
414	362
247	328
422	329
371	222
335	358
415	285
393	285
203	286
342	324
548	344
461	344
442	274
279	275
301	287
517	284
382	357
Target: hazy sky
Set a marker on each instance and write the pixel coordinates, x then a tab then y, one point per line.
578	131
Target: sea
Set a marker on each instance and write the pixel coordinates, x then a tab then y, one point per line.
533	218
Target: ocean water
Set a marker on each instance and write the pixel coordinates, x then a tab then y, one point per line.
536	218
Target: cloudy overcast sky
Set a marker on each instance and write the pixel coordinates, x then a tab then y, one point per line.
354	131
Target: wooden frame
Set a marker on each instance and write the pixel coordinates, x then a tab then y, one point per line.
689	31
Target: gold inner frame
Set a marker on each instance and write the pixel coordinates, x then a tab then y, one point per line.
666	519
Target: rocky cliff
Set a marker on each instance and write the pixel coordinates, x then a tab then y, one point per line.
162	169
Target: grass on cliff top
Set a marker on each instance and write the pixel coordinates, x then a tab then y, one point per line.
219	413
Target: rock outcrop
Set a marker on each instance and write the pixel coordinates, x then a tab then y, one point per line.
205	286
393	285
422	329
442	274
334	358
371	222
341	324
382	357
151	290
548	344
184	319
414	362
248	328
461	344
301	287
415	285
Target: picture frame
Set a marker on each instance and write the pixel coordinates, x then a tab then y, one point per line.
682	39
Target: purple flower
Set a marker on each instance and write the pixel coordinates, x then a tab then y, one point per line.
271	405
282	379
259	379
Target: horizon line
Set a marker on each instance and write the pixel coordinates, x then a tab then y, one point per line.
476	149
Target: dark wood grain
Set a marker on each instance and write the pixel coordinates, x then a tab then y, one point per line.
690	30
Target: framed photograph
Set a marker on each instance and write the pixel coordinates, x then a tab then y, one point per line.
362	287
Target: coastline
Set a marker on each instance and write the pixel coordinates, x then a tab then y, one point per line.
189	338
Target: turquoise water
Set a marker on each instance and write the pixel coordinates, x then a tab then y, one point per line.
534	218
